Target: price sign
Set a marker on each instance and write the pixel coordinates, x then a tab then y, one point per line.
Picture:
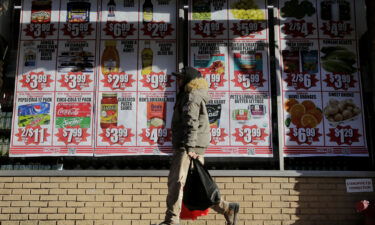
337	29
77	30
39	30
157	29
247	27
209	28
36	81
301	81
304	135
32	135
250	135
116	135
118	80
340	81
119	29
75	81
344	135
248	80
217	135
156	135
157	81
214	80
72	135
298	28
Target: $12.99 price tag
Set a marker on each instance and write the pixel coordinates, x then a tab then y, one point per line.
209	28
39	30
157	29
72	135
304	135
250	135
77	30
75	81
301	80
217	135
32	135
116	135
156	135
36	81
157	81
118	80
119	29
340	81
248	80
344	135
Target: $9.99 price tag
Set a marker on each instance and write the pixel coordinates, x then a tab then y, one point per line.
72	135
250	135
32	135
344	135
157	81
75	81
36	81
304	135
116	135
156	135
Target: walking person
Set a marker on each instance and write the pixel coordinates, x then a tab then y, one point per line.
190	138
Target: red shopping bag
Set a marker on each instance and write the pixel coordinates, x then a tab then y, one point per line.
187	214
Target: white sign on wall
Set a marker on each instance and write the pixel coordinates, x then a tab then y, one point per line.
359	185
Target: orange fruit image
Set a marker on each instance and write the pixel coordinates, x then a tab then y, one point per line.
296	121
309	121
309	105
317	114
289	103
297	110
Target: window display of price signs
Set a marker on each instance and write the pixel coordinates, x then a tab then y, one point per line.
322	109
95	82
229	46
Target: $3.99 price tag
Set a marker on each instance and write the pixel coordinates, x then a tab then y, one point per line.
75	81
250	135
36	81
39	30
32	135
116	135
72	135
209	28
304	135
344	135
156	135
157	29
301	81
118	80
340	81
157	81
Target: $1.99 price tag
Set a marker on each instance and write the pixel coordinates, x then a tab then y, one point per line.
304	135
250	135
344	135
32	135
156	135
118	80
157	81
72	135
36	81
217	135
75	81
116	135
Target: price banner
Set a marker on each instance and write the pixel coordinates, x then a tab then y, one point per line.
78	20
250	135
156	135
340	81
30	135
214	78
344	135
72	135
298	28
300	81
119	29
304	135
209	29
36	81
41	22
157	29
75	81
157	81
118	80
116	135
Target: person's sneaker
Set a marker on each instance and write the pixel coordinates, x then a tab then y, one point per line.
165	223
231	214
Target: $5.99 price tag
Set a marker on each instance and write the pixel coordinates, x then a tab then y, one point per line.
157	81
250	135
77	30
156	135
75	81
248	80
301	81
157	29
72	135
209	28
304	135
116	135
247	28
36	81
118	80
344	135
32	135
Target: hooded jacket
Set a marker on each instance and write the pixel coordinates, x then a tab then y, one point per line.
190	125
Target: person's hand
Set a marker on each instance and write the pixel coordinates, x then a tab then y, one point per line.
193	155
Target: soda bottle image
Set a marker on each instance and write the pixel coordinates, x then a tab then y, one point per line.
147	58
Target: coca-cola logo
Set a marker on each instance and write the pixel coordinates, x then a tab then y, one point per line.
68	112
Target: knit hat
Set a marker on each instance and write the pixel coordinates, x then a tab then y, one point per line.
188	73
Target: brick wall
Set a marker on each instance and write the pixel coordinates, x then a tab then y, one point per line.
141	200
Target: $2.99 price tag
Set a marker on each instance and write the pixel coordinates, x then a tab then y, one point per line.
116	135
156	135
36	81
340	81
75	81
250	135
157	29
304	135
301	81
118	80
32	135
72	135
157	81
344	135
209	28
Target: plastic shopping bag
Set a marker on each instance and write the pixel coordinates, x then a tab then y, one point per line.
187	214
